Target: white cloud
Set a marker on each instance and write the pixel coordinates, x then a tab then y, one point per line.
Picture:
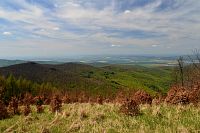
154	45
7	33
127	11
114	45
176	26
144	18
56	28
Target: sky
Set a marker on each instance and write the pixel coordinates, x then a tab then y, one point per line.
59	28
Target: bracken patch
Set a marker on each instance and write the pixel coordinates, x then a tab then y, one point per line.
194	95
13	106
3	110
56	104
141	97
177	95
130	107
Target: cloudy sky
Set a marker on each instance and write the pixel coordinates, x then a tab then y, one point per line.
57	28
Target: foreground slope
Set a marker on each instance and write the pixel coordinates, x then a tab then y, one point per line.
97	118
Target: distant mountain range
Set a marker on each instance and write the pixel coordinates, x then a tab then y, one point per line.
102	60
4	62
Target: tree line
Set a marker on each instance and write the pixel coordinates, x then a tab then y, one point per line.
11	86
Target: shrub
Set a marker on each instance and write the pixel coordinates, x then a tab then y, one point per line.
177	95
28	99
130	107
39	103
141	97
13	106
27	110
47	101
3	110
56	104
99	100
194	95
39	100
66	99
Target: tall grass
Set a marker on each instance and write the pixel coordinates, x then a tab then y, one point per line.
86	117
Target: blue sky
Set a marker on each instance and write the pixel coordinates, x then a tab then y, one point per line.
58	28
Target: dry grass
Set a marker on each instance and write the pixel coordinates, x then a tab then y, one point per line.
84	117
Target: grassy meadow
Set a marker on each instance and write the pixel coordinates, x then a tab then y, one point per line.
106	118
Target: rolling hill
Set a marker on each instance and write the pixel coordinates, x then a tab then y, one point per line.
106	79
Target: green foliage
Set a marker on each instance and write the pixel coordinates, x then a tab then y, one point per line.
104	81
17	87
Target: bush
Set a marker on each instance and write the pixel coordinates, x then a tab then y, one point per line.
66	99
3	111
194	95
27	110
177	95
28	99
141	97
56	104
130	107
13	106
99	100
39	102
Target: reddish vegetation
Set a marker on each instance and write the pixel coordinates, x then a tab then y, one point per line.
141	97
99	100
130	101
3	111
28	99
13	106
27	110
181	95
158	99
39	102
120	97
130	107
177	95
194	95
66	99
56	104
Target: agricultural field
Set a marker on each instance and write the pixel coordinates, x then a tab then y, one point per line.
106	118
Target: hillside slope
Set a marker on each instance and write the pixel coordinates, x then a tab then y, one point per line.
100	79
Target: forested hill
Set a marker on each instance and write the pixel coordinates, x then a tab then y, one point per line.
86	77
